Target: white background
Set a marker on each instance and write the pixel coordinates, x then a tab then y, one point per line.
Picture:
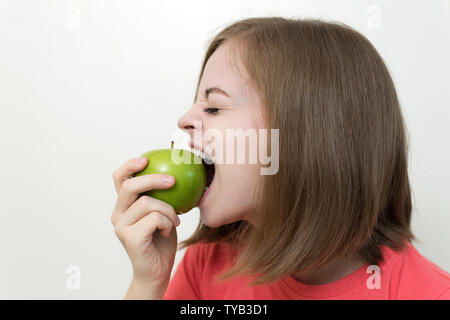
86	85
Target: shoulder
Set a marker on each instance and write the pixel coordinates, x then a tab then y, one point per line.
417	277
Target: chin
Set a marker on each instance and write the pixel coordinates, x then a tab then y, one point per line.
210	219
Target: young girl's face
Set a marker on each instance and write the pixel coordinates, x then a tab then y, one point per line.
234	105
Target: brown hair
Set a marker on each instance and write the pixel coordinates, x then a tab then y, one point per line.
342	185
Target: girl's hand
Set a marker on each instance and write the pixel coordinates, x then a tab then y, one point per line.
145	225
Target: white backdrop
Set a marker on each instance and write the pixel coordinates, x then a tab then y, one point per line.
86	85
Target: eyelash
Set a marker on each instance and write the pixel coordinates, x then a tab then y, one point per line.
211	110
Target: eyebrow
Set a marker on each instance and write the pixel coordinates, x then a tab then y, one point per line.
215	90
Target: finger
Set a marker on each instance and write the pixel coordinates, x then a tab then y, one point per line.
131	188
126	170
146	227
142	207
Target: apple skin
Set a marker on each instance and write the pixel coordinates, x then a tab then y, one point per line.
190	178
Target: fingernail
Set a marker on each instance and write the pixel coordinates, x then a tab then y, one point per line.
141	160
167	179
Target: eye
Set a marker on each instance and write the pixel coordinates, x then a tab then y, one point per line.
211	110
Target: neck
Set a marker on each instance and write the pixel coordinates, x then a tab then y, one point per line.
332	271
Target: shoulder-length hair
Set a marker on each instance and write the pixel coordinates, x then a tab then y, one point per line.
342	185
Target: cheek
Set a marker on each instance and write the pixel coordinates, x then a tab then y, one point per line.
239	184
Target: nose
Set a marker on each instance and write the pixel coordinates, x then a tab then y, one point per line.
190	121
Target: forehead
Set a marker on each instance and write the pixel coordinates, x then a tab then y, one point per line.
225	70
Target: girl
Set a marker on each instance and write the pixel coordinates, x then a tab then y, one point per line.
332	223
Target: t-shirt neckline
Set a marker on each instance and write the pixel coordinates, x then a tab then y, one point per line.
332	289
354	280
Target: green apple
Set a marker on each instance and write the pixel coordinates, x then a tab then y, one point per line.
188	171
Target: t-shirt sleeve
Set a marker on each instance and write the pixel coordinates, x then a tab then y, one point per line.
185	283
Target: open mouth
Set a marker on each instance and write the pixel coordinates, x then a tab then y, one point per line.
210	171
209	165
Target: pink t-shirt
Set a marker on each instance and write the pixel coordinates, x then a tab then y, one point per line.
403	275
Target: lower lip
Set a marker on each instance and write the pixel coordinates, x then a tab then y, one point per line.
205	194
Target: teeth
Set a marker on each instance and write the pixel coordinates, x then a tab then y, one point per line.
202	155
182	140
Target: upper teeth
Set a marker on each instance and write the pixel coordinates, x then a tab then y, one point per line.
202	155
